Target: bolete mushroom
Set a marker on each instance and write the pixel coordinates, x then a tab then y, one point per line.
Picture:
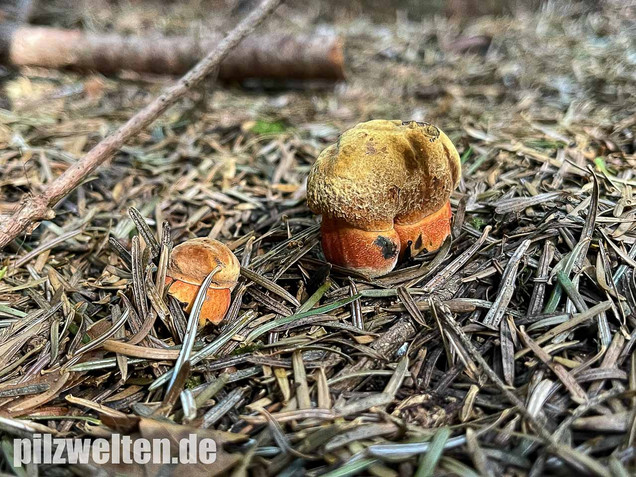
190	263
384	192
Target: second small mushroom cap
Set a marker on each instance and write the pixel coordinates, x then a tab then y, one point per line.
193	260
190	263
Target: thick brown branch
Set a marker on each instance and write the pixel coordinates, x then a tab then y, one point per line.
39	207
264	56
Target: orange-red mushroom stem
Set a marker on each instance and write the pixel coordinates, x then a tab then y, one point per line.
426	234
370	252
377	252
215	305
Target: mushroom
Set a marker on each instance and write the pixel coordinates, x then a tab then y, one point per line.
190	263
384	193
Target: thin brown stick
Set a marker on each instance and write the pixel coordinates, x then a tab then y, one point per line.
39	207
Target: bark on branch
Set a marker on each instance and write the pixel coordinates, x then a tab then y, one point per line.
280	56
39	207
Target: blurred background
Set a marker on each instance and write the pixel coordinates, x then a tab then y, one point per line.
538	74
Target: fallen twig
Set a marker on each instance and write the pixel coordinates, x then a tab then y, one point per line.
39	207
281	56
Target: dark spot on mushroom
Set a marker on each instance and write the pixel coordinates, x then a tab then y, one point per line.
387	247
394	193
431	131
408	252
418	242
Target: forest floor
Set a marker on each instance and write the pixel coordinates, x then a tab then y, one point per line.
317	369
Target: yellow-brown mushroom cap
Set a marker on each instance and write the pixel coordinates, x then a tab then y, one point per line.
384	172
193	260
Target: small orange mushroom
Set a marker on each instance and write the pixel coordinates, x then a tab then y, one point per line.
384	193
190	263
